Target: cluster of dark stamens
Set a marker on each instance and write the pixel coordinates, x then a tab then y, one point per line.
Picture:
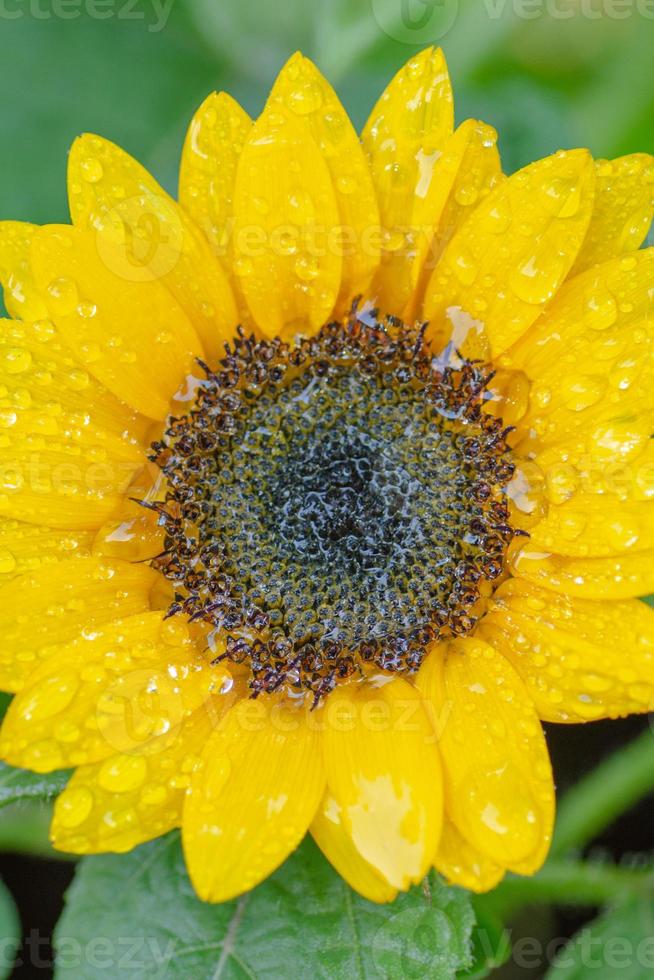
335	504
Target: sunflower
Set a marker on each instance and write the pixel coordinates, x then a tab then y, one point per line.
322	487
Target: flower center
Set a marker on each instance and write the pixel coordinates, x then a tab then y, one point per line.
336	504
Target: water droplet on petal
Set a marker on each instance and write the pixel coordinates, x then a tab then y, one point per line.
91	170
63	296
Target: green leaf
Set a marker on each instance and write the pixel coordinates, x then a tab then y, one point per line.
19	784
304	922
618	943
9	932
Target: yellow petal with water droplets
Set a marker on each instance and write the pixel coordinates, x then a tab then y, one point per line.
132	534
579	458
37	370
127	799
54	484
27	547
336	844
595	526
302	90
461	864
622	214
638	482
252	800
591	355
112	690
21	295
464	174
284	212
404	138
145	236
207	176
384	772
52	604
601	486
498	780
617	577
581	660
511	255
70	448
132	336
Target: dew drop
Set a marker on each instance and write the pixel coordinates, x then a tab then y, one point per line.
7	562
16	360
74	806
91	170
63	296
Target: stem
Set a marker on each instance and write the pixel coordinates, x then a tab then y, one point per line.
24	830
610	789
579	883
566	883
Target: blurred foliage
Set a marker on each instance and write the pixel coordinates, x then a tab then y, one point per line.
570	73
9	931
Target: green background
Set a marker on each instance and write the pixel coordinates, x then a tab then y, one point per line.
550	74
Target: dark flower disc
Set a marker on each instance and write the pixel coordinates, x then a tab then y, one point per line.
335	504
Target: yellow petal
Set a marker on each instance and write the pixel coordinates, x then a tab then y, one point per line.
284	212
70	449
622	214
132	534
21	295
638	482
461	864
404	137
384	772
52	604
498	780
301	89
626	480
616	577
132	336
59	487
466	171
111	690
214	142
591	357
580	457
336	844
37	370
595	526
129	798
145	236
512	253
581	660
253	798
27	547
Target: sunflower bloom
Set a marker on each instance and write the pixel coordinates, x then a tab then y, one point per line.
324	485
